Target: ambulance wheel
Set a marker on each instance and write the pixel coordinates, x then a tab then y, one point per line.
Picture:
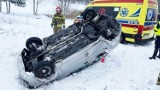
33	42
44	69
122	38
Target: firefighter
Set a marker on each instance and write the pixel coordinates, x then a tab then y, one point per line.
157	42
58	20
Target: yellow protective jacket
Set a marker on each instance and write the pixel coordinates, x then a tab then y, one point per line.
157	29
58	21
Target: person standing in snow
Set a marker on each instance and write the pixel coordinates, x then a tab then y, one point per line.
58	20
157	41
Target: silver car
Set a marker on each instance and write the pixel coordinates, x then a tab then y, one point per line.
68	51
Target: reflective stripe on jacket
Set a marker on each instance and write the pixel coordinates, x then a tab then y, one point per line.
58	20
157	29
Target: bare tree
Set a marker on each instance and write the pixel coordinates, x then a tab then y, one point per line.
35	6
87	1
20	3
8	6
0	5
65	5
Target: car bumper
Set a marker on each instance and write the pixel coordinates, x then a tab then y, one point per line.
137	38
29	78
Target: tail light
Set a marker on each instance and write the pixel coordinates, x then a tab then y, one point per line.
140	29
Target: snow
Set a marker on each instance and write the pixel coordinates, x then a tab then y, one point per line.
127	67
80	7
45	7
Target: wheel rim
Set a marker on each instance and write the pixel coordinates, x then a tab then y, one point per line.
44	72
33	45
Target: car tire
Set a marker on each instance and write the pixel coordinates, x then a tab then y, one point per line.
89	14
122	39
44	69
112	23
25	55
33	40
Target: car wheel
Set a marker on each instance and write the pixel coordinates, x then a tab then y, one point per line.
122	38
89	14
112	23
44	69
25	55
33	42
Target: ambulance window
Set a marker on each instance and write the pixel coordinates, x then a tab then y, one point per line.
151	15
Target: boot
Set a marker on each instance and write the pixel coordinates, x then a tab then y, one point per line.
152	57
158	56
158	81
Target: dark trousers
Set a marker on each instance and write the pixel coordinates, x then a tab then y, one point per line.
157	46
156	50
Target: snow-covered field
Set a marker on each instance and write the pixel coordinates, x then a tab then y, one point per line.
45	7
127	67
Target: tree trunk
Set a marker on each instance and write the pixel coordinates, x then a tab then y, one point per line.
65	7
33	7
86	2
0	5
37	7
8	6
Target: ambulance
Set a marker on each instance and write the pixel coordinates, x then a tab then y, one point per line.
137	17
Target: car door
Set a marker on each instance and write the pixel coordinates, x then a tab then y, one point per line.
75	62
97	49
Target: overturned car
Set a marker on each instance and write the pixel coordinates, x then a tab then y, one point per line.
68	51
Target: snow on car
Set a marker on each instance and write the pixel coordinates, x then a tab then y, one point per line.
57	56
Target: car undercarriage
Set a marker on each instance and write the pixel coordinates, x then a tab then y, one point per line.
68	51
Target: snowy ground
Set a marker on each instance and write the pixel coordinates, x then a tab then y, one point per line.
127	67
45	7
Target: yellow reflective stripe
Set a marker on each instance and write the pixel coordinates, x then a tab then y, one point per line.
63	17
57	17
155	28
157	33
59	25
